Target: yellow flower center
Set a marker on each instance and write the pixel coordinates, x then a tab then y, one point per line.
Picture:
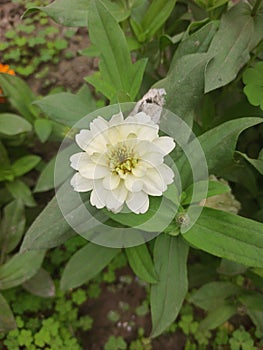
122	160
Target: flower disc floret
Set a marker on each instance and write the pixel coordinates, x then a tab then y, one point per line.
122	162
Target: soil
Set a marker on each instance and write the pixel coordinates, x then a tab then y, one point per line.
132	294
68	74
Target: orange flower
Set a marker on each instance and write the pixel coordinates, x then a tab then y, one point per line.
4	68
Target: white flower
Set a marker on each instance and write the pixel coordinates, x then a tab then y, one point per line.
122	162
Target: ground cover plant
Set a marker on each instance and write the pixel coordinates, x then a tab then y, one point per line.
148	178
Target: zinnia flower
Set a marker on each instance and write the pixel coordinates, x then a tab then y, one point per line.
122	162
4	68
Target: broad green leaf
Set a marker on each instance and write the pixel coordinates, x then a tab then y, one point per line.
213	294
64	107
155	16
19	95
45	181
24	164
257	318
115	65
167	296
253	80
19	190
12	124
7	320
40	284
48	230
214	188
184	85
231	268
218	145
19	268
157	218
228	236
217	316
141	262
229	48
74	13
5	169
257	163
12	226
252	300
43	129
86	264
198	42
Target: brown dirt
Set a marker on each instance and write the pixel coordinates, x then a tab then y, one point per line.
68	74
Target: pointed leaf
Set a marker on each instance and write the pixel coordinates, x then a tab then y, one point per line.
12	124
24	164
230	47
228	236
12	226
170	259
40	284
141	262
7	320
20	268
86	264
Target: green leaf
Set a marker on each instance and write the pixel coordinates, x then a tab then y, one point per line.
141	262
64	107
19	95
45	181
213	293
257	163
170	259
185	80
19	190
115	65
48	230
218	145
198	42
43	129
228	236
24	164
252	78
155	16
217	316
12	226
12	124
75	14
7	320
229	48
40	284
214	188
19	268
86	264
149	221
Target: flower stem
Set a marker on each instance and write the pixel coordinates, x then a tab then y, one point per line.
255	7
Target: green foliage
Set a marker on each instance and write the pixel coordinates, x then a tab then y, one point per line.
115	343
252	78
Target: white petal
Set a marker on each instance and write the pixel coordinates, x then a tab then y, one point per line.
165	143
83	138
98	125
80	184
116	198
153	159
98	196
93	171
111	181
132	183
154	184
138	202
77	160
139	170
166	173
116	119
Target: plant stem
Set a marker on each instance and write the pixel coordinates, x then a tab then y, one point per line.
255	7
